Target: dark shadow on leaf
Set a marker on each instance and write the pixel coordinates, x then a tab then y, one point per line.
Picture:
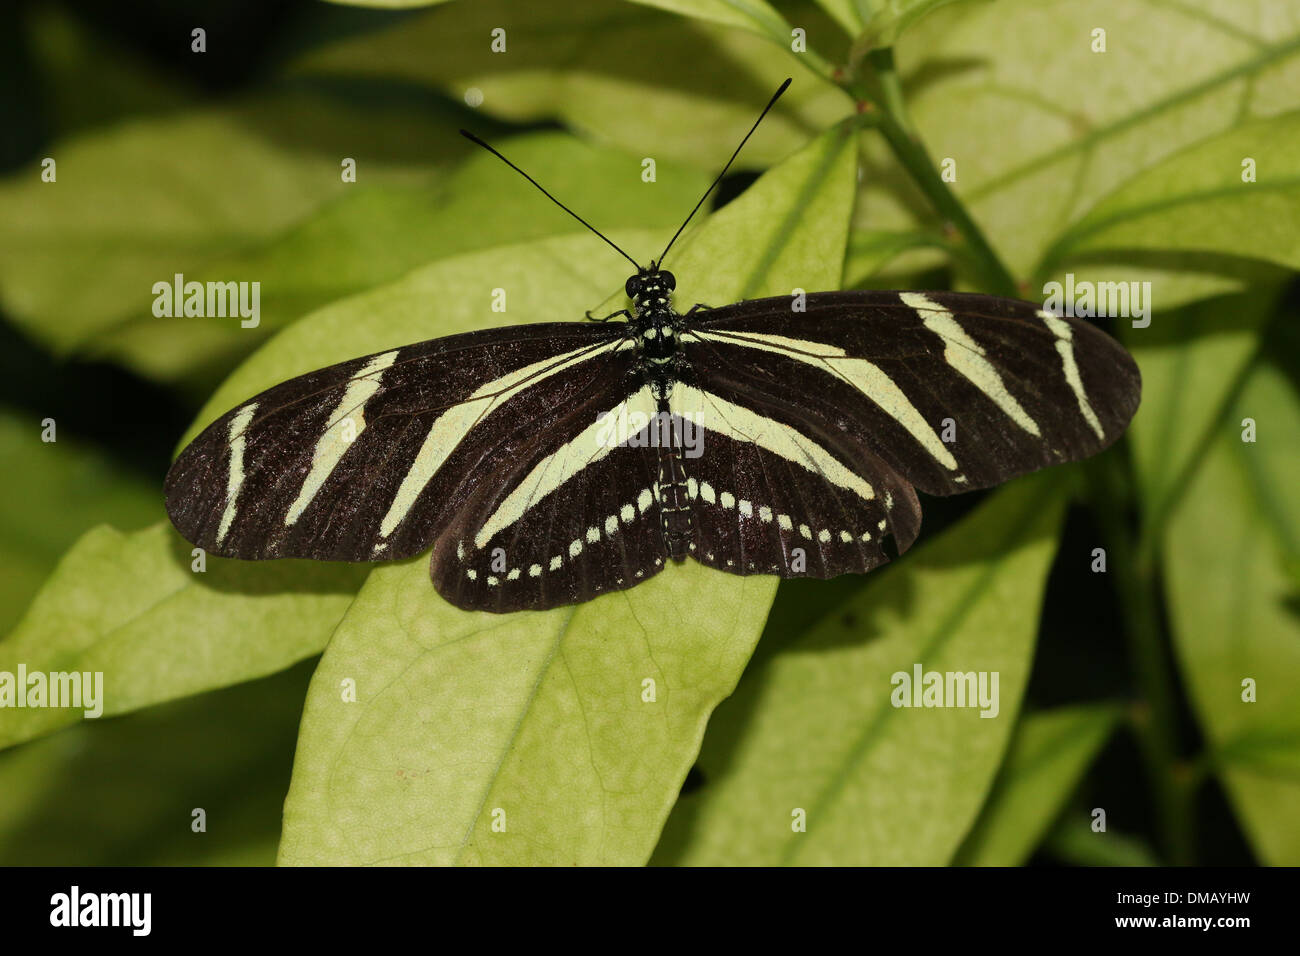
694	780
1291	602
935	70
288	576
122	790
1281	346
404	122
134	420
673	52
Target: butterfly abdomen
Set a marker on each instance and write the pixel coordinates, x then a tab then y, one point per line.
672	490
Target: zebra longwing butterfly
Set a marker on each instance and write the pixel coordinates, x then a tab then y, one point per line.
547	464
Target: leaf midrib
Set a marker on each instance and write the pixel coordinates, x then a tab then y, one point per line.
524	710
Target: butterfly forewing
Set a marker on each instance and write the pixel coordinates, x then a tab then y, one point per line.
373	458
953	391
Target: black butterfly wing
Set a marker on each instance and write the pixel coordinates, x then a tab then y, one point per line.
376	457
497	447
579	520
953	391
777	493
830	416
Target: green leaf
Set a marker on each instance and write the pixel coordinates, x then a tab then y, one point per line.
50	494
1177	278
1048	756
1042	129
128	605
72	56
461	715
689	94
814	728
1196	201
377	233
1234	608
870	251
884	21
142	200
1074	841
1191	360
388	4
788	231
123	792
845	13
753	15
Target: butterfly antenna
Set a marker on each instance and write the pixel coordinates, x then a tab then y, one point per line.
770	103
474	139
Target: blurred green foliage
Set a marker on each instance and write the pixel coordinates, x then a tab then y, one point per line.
1121	691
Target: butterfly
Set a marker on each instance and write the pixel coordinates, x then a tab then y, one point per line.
547	464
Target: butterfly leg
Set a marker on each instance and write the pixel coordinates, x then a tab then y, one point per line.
613	315
697	307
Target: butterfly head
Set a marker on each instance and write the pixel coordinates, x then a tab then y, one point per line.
651	288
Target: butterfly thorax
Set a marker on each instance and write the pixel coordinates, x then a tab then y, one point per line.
656	328
655	324
656	334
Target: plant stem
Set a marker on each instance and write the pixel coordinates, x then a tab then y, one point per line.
1174	781
896	125
1155	720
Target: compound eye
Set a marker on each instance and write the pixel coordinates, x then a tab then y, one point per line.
669	280
633	286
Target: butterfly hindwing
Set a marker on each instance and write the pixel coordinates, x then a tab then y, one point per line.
773	495
523	546
953	391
